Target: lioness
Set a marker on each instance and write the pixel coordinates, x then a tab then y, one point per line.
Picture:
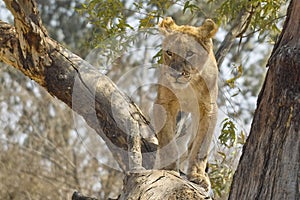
187	83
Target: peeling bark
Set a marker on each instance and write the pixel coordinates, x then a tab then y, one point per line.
161	184
270	165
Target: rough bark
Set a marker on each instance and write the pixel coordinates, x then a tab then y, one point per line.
270	165
161	185
27	47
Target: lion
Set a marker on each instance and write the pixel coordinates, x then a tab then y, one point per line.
187	83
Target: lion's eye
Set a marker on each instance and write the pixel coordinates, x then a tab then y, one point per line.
169	53
189	54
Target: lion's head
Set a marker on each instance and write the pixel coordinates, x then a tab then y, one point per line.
187	50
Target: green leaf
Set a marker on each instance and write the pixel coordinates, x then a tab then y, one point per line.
186	5
228	136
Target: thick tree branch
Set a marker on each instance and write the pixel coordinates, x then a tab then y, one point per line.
161	184
66	76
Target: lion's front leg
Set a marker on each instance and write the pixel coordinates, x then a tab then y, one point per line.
199	149
165	121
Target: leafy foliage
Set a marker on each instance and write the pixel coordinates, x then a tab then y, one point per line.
112	17
222	166
238	73
228	136
221	175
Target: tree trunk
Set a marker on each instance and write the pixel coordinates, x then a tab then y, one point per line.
270	165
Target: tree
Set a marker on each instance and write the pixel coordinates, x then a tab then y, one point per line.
56	69
269	167
26	145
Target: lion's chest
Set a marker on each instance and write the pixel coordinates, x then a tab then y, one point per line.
191	99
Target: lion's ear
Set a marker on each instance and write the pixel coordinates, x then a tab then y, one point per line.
167	26
208	29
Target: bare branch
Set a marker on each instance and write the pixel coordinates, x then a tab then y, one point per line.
239	26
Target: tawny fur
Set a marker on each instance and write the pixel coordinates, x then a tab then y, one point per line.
187	82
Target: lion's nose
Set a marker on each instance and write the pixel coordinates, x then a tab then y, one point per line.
175	74
176	66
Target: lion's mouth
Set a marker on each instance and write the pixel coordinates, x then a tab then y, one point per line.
180	78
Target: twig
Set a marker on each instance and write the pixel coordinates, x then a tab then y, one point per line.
239	26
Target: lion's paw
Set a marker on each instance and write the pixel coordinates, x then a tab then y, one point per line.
201	179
